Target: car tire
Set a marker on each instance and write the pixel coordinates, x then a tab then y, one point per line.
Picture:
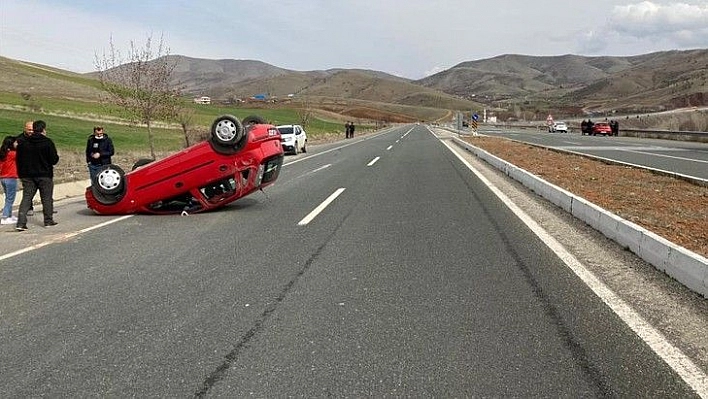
253	119
109	180
142	162
304	147
227	130
108	186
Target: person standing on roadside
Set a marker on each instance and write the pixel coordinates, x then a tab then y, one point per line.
26	133
615	128
346	130
8	177
36	157
99	150
351	130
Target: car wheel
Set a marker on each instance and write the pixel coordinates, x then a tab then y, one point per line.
253	119
141	162
227	130
110	180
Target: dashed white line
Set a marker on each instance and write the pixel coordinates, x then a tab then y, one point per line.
373	161
321	207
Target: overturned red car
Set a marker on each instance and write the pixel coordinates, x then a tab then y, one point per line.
237	159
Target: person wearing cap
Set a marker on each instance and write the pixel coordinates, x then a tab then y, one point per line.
99	150
36	157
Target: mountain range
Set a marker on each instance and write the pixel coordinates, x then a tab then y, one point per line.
508	84
641	83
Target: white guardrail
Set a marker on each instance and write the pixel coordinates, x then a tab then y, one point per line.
687	267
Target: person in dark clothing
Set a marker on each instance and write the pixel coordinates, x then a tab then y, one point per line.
99	150
583	127
26	132
351	130
36	157
346	130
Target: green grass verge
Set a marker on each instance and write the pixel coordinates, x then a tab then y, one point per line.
69	123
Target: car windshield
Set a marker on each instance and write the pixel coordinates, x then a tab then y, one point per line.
285	130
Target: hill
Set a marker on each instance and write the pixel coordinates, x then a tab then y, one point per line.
242	79
642	83
510	86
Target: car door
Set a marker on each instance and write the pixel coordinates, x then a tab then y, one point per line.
299	136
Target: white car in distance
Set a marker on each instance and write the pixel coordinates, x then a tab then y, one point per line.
293	138
561	127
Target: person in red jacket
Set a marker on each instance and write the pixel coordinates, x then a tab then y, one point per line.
8	177
36	157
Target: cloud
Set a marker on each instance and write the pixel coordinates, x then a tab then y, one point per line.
674	25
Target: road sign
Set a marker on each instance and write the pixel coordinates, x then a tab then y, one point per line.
475	117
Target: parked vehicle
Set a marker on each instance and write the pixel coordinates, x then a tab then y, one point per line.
602	128
293	138
238	159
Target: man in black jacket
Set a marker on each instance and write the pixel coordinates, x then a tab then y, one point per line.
36	157
99	150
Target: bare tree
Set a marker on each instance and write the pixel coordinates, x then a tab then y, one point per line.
304	113
185	118
140	82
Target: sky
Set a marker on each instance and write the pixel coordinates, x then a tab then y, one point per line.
407	38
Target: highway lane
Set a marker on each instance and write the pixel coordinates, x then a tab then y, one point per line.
686	158
414	281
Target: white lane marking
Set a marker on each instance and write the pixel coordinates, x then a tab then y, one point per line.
61	238
666	156
323	167
618	162
339	147
307	219
373	161
389	147
677	360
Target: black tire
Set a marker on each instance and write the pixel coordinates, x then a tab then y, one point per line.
304	147
108	186
253	119
106	199
227	130
141	162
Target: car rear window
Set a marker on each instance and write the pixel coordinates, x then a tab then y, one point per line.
285	130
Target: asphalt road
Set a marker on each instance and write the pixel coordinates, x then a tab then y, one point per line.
378	267
682	157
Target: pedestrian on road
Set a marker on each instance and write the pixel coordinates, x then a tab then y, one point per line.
99	150
8	177
36	157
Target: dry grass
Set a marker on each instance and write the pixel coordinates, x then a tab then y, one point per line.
672	208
